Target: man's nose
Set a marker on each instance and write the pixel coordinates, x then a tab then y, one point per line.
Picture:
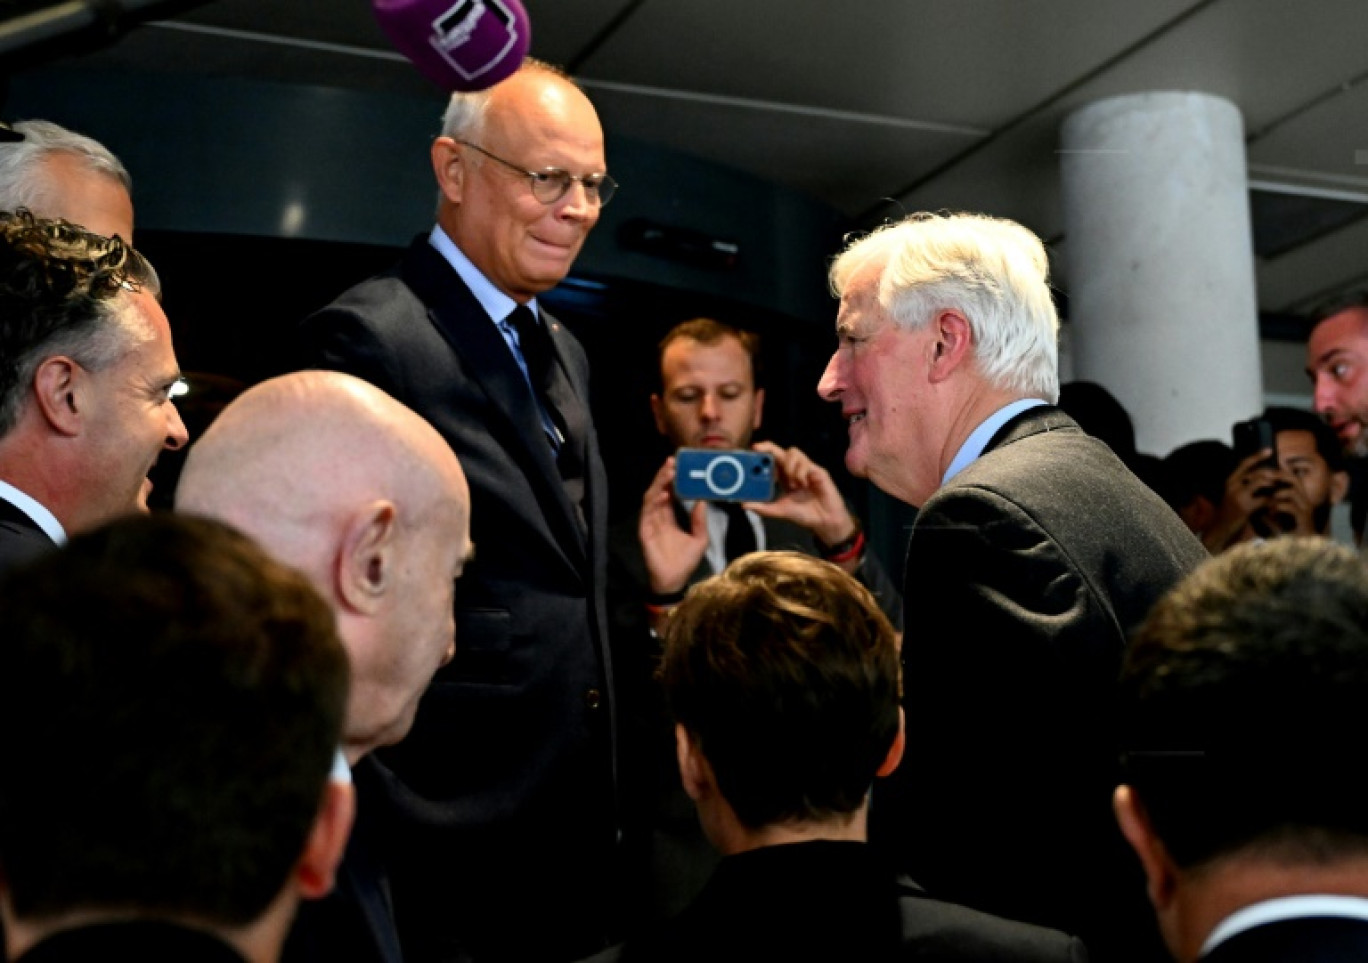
577	204
176	433
709	409
828	386
1322	394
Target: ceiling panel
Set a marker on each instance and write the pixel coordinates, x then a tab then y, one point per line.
1326	145
973	63
561	31
1297	281
333	21
848	164
200	49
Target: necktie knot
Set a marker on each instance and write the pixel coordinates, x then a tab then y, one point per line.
534	341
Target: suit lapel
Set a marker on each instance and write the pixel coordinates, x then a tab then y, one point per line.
463	324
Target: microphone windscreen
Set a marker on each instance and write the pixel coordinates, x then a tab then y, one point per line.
458	44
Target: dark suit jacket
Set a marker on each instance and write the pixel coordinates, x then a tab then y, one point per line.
355	922
20	537
1316	939
832	901
1025	575
507	779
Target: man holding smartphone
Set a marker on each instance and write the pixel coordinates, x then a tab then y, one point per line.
709	399
1285	484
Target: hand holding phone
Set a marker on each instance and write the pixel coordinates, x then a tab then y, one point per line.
1253	436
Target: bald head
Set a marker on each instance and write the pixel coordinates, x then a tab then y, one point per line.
335	477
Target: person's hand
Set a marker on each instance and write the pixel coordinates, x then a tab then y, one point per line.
1289	509
807	496
1240	516
671	554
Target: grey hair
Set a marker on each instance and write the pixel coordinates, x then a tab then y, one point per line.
22	180
992	270
111	333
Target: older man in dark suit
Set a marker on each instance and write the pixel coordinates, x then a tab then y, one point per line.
1034	552
1245	696
505	788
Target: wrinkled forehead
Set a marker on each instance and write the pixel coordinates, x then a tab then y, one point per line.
1347	329
861	305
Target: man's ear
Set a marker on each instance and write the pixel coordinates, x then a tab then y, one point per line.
951	345
895	751
759	409
366	556
658	409
694	771
1339	486
449	165
59	392
1161	873
317	866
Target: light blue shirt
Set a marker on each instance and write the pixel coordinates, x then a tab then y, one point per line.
35	510
1285	908
978	438
498	306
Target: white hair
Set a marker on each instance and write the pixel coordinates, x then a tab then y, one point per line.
23	182
993	271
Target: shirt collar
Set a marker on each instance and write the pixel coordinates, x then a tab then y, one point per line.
496	304
35	510
1285	908
978	439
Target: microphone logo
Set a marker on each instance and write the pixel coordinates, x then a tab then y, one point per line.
474	36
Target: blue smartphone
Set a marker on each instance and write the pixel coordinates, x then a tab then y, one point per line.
723	475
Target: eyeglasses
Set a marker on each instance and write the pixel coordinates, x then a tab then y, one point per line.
551	184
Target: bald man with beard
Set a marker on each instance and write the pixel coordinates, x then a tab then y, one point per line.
336	478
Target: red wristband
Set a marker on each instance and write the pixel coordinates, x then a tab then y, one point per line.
849	554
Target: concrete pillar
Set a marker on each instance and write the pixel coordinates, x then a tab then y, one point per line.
1160	263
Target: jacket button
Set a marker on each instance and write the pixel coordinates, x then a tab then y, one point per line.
593	698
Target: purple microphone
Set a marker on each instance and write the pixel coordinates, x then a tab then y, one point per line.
458	44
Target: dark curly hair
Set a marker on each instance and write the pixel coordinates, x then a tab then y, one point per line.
59	291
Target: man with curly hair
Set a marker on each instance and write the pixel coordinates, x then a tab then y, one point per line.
87	377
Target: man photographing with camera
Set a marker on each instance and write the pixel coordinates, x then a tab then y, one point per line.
708	403
1290	475
709	399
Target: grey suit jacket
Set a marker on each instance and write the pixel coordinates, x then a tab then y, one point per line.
1025	575
508	777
